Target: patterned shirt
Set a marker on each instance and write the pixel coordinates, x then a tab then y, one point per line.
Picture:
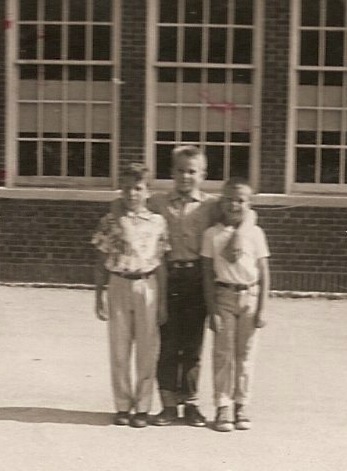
133	242
187	219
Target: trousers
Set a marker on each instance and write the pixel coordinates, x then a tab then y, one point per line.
234	346
181	338
133	308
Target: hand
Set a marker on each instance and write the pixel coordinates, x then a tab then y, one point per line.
162	313
216	323
101	309
259	323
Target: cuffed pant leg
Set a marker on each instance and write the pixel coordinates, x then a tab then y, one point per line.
120	336
147	340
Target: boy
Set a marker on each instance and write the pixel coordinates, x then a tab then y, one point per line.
188	212
235	293
131	247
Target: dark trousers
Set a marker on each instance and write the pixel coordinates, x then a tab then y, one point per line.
182	337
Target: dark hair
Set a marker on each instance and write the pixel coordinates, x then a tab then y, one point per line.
235	182
189	151
136	170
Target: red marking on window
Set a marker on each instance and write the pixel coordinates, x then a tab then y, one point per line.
7	24
222	106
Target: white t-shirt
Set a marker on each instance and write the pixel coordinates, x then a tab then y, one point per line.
245	269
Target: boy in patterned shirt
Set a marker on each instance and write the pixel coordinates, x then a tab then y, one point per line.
131	247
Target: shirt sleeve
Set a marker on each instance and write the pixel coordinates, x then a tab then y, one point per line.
101	239
261	245
207	245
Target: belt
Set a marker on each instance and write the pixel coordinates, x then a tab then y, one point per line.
183	264
235	286
134	275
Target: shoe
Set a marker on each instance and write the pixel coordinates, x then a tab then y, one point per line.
166	417
222	421
242	420
122	418
193	416
139	420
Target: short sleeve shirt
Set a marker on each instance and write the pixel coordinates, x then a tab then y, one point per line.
187	219
245	269
133	242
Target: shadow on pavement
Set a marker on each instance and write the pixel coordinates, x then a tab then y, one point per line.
57	416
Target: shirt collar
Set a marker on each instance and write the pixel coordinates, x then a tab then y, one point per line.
144	213
194	196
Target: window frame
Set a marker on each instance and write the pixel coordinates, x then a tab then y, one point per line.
256	67
12	80
291	186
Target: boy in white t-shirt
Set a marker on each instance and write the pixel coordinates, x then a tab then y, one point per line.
236	289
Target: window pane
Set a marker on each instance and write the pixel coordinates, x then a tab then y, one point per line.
102	10
102	73
101	119
240	137
217	45
242	46
51	158
310	12
168	11
333	78
52	42
244	12
335	13
239	166
77	72
28	42
28	117
77	10
219	12
215	162
53	9
28	10
53	89
191	75
306	137
305	165
330	166
334	48
52	117
193	11
100	159
167	44
308	78
242	76
309	48
216	76
192	44
167	75
165	136
76	118
28	72
76	164
331	138
191	136
101	43
163	166
76	45
215	136
27	158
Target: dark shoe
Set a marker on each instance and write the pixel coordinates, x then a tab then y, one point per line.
222	421
122	418
140	420
242	420
193	416
166	417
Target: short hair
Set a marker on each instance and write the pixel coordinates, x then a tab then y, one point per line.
236	182
136	170
191	152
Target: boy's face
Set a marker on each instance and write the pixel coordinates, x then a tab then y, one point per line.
235	202
188	173
135	193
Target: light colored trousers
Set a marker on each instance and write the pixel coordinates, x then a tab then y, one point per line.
234	346
133	308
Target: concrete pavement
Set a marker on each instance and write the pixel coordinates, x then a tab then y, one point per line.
56	400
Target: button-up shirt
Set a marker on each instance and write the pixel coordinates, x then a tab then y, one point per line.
187	218
133	242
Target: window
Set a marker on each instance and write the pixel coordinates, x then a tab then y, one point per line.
318	126
204	84
62	60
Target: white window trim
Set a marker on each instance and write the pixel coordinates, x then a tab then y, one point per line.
11	108
291	187
255	147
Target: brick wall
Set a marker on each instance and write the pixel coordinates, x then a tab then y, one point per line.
133	65
2	93
274	96
49	241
